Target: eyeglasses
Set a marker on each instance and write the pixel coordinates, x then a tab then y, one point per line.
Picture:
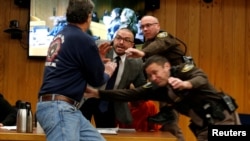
125	40
148	25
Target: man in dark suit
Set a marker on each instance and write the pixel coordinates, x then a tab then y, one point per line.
108	114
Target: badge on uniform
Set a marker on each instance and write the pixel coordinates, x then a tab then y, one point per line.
162	35
187	67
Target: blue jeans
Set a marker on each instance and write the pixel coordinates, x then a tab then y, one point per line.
64	122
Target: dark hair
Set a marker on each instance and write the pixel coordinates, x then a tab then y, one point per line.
160	60
117	11
95	17
78	10
127	29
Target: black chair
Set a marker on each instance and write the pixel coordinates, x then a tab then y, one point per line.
245	119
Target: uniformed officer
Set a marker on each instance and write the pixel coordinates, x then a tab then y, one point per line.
161	43
185	88
158	42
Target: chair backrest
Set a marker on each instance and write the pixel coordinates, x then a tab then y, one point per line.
245	119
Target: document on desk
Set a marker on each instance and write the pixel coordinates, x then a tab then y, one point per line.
126	130
114	130
9	127
107	130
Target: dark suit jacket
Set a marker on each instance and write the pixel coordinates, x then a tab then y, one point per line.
132	74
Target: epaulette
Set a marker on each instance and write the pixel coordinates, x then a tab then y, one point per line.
187	67
162	35
148	85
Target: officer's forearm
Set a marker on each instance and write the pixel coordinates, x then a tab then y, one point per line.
198	81
187	85
198	78
123	94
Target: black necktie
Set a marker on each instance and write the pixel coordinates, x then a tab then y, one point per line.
110	85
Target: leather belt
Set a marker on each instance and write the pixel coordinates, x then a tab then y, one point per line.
55	97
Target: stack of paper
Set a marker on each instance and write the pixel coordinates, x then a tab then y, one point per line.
107	130
9	127
114	130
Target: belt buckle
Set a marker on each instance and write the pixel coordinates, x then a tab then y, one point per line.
76	104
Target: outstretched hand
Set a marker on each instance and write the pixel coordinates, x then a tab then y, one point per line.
134	53
110	68
91	93
103	49
179	84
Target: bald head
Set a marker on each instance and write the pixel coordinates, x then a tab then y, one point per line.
150	27
150	18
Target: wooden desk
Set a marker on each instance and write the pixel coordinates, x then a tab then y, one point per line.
6	135
141	136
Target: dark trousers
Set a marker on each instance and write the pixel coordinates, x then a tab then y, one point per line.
102	119
172	124
230	119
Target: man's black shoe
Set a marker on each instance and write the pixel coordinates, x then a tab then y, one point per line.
166	115
159	118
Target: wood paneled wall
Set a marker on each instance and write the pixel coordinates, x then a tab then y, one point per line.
20	77
216	34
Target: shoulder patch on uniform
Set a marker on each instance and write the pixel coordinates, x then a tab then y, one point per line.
147	85
162	34
187	67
